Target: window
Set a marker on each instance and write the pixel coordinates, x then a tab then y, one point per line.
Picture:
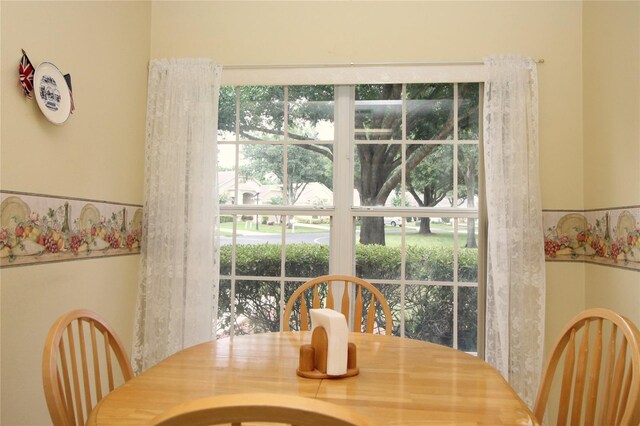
373	180
275	176
413	163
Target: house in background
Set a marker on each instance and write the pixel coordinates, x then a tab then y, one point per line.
589	87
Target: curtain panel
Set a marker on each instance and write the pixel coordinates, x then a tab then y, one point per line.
178	284
515	304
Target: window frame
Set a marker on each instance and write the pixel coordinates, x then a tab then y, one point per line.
343	212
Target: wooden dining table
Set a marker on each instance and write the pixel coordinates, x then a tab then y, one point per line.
400	382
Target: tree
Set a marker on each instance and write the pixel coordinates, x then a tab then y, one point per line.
262	119
468	155
379	164
431	181
303	167
468	162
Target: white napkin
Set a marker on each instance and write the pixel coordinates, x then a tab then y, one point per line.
335	324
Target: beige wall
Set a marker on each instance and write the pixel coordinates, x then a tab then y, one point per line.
611	87
334	32
611	52
97	154
268	33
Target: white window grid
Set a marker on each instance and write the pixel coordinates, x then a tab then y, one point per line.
342	214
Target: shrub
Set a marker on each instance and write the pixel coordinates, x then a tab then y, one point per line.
372	261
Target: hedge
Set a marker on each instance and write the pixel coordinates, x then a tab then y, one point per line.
428	308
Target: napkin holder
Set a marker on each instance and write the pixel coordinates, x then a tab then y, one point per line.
325	357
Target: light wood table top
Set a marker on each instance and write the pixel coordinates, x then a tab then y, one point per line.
401	381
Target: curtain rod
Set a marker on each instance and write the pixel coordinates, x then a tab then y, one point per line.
354	64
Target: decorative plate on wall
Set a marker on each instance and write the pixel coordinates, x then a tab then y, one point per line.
571	225
89	216
626	224
13	211
52	93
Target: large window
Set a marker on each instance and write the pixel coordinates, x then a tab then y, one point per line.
374	180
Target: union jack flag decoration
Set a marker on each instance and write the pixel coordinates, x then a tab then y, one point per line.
26	74
67	78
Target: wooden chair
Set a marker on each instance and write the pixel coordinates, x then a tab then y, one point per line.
360	302
258	407
78	366
600	377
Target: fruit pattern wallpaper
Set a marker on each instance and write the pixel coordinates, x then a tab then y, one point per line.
608	237
37	228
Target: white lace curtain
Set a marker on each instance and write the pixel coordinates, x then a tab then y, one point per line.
515	255
178	286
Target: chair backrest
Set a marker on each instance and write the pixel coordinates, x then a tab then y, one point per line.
79	366
364	307
258	407
600	377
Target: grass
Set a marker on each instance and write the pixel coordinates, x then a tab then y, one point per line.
441	236
436	239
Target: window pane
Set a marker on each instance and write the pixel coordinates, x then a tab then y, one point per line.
257	307
375	165
430	250
256	259
468	319
468	165
378	112
261	113
468	111
224	309
430	111
381	260
311	112
391	293
429	313
309	175
226	232
307	239
468	252
261	174
430	182
227	114
226	174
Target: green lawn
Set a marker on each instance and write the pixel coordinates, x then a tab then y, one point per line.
438	238
442	234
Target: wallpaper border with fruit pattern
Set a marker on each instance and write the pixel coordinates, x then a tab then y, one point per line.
37	228
609	237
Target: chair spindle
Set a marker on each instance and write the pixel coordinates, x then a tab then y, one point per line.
357	314
567	380
304	314
578	393
345	299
